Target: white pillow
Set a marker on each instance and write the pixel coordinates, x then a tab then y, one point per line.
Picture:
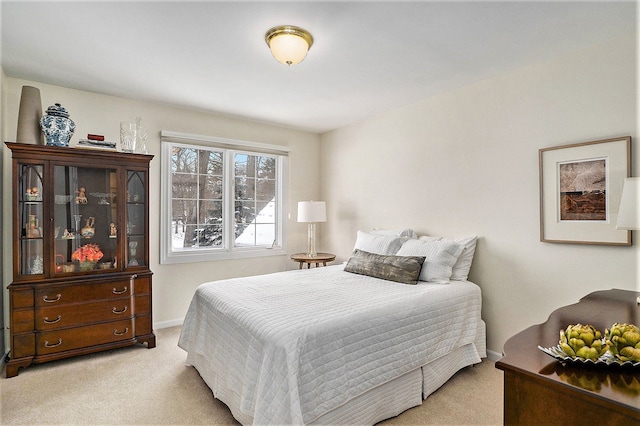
463	265
379	244
406	232
440	256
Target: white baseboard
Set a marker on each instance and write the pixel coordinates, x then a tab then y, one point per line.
167	324
4	360
493	356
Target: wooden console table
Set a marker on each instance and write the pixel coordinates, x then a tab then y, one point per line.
541	390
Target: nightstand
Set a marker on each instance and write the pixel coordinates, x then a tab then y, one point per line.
323	258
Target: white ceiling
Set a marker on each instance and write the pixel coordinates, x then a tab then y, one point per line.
367	58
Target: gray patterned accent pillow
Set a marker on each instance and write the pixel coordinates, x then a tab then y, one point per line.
402	269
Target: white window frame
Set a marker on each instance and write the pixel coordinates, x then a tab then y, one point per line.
230	147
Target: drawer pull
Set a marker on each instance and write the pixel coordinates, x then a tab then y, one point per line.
115	311
117	333
52	345
114	291
46	320
46	298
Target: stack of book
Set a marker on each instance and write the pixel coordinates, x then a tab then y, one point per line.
96	141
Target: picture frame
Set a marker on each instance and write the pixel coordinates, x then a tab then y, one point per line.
580	190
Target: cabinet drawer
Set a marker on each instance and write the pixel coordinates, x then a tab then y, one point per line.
143	305
22	320
21	298
142	285
82	293
23	344
60	316
143	325
73	338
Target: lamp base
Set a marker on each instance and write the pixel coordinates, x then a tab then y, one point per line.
311	240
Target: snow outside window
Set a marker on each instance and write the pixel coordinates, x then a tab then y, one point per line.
220	202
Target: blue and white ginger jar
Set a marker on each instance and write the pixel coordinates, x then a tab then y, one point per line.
57	126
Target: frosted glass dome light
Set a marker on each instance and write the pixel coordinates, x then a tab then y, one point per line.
288	44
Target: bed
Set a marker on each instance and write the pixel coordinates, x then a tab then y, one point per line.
330	346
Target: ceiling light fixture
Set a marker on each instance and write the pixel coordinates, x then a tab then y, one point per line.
288	44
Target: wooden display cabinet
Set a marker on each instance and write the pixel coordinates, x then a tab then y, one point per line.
81	277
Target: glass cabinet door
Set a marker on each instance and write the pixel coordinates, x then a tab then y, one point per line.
85	219
136	219
30	208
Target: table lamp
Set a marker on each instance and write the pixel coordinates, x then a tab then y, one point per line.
629	213
312	212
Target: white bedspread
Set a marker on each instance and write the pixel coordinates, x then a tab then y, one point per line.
295	345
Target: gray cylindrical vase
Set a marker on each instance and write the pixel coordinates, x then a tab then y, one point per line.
29	116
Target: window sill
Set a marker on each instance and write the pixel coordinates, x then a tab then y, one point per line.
189	256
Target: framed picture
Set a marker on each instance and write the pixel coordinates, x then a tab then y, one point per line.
580	190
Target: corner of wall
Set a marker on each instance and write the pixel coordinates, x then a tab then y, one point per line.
3	268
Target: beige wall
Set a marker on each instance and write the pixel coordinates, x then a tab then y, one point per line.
173	285
466	162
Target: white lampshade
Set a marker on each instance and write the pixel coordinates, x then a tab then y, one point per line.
289	44
629	213
312	211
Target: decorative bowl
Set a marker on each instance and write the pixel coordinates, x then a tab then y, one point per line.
606	359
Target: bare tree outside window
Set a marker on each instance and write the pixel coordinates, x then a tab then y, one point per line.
197	198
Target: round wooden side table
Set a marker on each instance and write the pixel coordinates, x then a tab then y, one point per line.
320	258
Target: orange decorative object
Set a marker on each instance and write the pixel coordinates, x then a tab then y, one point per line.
87	253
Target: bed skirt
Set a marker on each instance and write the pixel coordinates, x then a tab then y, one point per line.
383	402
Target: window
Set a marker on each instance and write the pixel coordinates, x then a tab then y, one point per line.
221	199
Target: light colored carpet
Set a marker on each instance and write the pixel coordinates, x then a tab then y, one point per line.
139	386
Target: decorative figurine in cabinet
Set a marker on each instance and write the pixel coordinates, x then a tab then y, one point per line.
80	285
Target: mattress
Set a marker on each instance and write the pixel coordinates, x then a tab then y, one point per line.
291	347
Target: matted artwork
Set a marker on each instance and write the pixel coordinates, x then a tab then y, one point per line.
580	190
583	194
